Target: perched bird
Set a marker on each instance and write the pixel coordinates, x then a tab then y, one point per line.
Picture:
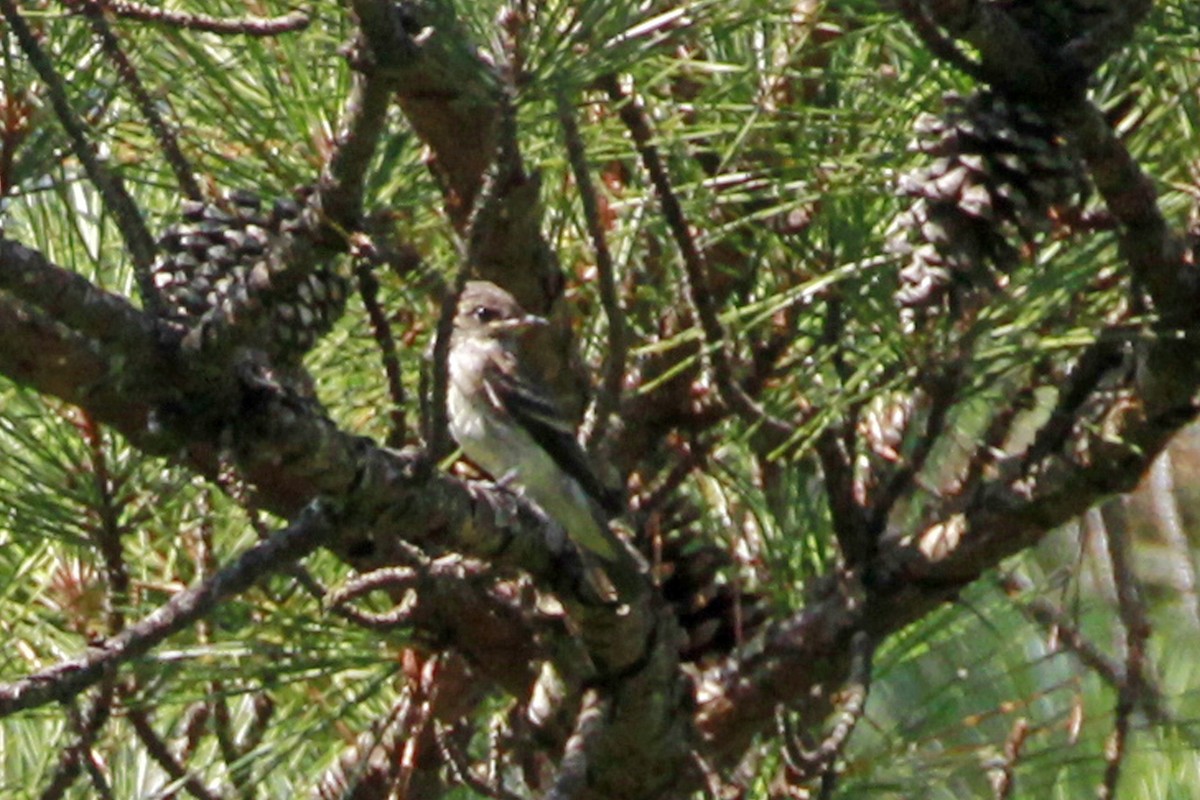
510	427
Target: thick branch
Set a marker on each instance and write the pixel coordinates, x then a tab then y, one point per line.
75	302
448	94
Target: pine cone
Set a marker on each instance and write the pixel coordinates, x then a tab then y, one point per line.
999	168
221	258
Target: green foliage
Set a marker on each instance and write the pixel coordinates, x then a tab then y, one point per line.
784	140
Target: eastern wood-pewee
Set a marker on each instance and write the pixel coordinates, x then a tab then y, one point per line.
511	428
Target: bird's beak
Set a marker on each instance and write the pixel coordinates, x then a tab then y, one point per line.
525	323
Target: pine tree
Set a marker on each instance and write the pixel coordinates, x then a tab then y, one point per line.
873	316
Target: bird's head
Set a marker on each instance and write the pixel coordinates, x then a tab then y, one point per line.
484	309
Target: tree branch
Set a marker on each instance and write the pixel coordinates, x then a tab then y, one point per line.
618	346
447	93
65	680
161	754
244	26
630	110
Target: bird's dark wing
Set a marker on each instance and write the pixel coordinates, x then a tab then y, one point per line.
541	418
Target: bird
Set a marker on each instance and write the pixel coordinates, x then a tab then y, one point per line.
509	425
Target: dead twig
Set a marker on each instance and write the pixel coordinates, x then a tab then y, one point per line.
631	112
1003	781
609	399
822	760
1132	612
244	26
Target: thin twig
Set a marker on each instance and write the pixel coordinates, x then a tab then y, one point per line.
264	710
94	768
164	133
157	749
66	679
231	754
107	533
849	522
1100	40
1003	781
110	186
942	387
391	578
1054	619
456	760
1131	608
373	757
222	720
1166	511
808	763
571	780
423	578
609	399
855	698
238	489
245	26
1132	612
689	457
413	739
436	431
631	112
1089	370
87	726
999	427
381	332
339	195
193	726
1114	751
713	783
109	529
836	449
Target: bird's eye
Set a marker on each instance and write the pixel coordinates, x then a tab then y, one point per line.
485	314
